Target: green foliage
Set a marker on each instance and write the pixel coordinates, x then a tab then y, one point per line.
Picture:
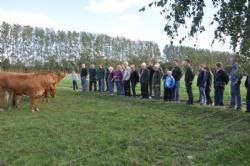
97	129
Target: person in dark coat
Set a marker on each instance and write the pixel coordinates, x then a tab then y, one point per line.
177	74
247	85
107	72
208	85
151	73
92	77
157	76
101	77
134	78
235	79
144	80
189	77
221	79
84	74
201	83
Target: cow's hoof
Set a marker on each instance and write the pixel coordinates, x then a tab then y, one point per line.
1	110
37	109
33	111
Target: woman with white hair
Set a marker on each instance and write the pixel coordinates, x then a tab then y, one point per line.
84	74
111	80
157	81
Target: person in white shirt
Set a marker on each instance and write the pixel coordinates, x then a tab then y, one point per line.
126	79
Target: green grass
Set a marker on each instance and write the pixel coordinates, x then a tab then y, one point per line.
98	129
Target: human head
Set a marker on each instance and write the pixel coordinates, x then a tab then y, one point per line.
176	62
156	66
132	67
187	62
92	66
169	73
143	65
83	66
150	64
233	60
110	69
119	67
202	66
125	64
218	65
100	66
207	69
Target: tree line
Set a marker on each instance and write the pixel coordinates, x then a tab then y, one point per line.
26	47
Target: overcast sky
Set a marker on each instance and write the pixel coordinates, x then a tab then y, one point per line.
112	17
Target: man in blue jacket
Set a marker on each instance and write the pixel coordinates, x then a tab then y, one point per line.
235	79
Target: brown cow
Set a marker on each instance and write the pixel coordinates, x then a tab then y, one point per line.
32	85
15	99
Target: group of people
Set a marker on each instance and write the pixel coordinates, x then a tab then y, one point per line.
125	78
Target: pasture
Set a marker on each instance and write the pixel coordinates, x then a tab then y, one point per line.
98	129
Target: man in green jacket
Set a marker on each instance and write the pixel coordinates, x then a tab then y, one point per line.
189	77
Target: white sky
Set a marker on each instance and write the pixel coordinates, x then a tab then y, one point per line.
112	17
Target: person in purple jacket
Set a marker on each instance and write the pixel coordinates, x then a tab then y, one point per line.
117	76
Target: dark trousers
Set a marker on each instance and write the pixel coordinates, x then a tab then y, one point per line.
248	100
208	96
218	96
144	90
248	105
150	88
190	93
91	83
157	91
75	87
133	86
126	87
168	94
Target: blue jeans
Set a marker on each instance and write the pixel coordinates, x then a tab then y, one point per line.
235	96
111	87
83	79
176	91
203	98
119	87
101	85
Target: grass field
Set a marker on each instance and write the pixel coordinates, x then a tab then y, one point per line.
98	129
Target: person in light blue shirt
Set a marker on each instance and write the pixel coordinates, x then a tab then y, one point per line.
169	83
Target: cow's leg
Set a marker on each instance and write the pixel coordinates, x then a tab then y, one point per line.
2	93
33	102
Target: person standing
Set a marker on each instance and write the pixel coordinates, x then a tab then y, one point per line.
101	77
151	72
177	74
92	77
208	85
144	80
84	74
126	79
220	80
157	76
169	83
111	80
117	76
74	78
247	85
106	77
235	79
201	83
134	78
189	77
